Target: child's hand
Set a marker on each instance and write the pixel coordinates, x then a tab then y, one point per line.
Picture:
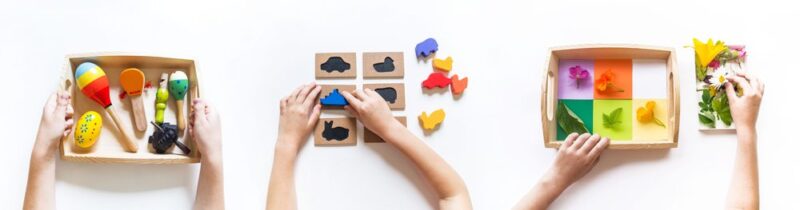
576	157
299	114
369	107
204	125
56	121
744	109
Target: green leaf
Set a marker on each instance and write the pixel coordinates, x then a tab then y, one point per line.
612	120
569	121
699	70
707	119
723	109
706	96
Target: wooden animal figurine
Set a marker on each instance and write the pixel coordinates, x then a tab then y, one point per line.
436	79
178	85
457	86
93	83
429	122
337	133
443	65
162	95
426	48
333	99
132	81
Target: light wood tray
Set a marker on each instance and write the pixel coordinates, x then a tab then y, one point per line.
108	149
602	51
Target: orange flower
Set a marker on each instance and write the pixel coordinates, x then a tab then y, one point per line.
606	80
646	114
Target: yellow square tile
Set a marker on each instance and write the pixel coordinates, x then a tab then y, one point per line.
650	131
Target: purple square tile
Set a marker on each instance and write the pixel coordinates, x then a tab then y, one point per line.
567	88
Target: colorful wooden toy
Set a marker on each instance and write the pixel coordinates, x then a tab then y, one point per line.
457	86
132	81
429	122
93	83
333	99
443	64
178	86
426	48
88	128
436	79
162	95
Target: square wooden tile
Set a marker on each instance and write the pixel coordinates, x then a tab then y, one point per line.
327	89
335	131
383	65
393	93
370	137
335	65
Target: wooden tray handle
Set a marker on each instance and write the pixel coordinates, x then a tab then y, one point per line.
548	112
674	88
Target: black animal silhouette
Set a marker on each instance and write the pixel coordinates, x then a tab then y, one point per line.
337	133
388	93
335	63
386	66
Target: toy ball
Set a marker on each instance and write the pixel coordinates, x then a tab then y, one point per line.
93	83
87	129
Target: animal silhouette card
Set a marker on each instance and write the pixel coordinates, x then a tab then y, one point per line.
393	93
370	137
383	65
327	91
335	131
335	65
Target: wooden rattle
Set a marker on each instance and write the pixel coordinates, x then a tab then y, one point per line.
162	95
178	84
132	81
92	81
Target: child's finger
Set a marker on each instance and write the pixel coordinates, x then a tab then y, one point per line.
741	82
314	117
283	104
579	142
599	147
199	112
731	93
589	144
371	93
70	112
304	92
568	141
351	99
360	94
295	92
350	110
312	96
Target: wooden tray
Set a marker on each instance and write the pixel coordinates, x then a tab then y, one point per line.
108	149
549	95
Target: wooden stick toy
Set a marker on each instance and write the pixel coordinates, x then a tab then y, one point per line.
162	95
178	84
132	81
92	81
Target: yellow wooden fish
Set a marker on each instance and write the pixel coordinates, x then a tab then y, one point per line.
430	122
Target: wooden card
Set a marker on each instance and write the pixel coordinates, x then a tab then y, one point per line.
335	131
370	137
327	89
393	93
383	65
335	65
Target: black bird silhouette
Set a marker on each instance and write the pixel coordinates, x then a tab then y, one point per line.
337	133
335	63
386	66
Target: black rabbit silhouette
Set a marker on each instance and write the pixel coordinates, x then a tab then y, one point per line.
337	133
386	66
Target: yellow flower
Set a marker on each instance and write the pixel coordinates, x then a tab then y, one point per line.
708	51
646	114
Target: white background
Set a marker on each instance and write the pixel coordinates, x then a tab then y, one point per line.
252	53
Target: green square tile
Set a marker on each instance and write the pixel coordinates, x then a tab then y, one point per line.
622	132
582	108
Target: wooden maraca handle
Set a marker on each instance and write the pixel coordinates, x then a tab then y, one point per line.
127	141
138	113
181	120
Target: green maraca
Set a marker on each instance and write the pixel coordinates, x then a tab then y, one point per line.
178	85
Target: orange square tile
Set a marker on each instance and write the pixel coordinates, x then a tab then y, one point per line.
623	73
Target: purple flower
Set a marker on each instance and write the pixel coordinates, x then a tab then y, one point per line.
578	73
739	49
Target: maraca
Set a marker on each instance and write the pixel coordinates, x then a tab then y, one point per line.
132	81
92	81
162	95
178	84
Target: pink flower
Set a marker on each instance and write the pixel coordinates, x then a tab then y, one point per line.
714	64
739	49
578	73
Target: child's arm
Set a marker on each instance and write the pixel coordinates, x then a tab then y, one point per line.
743	192
55	124
371	109
207	133
576	157
299	115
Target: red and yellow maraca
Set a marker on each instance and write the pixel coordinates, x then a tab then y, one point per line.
93	83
